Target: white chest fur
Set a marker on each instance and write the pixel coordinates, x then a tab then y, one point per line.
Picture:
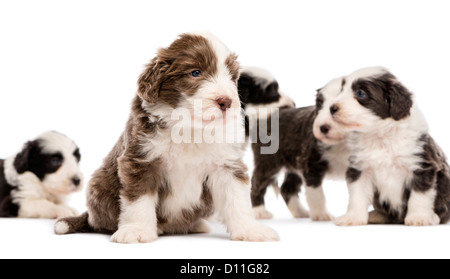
389	159
187	166
337	157
185	182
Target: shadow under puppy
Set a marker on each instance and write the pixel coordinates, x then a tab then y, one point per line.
395	164
151	184
34	182
305	159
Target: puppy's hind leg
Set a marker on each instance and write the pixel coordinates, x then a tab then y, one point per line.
289	191
314	191
260	181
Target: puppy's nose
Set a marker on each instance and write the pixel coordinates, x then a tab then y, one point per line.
325	129
334	109
224	103
76	181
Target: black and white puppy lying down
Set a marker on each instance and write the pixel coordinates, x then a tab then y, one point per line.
34	182
304	159
395	165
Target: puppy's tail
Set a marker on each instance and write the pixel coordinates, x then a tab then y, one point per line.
70	225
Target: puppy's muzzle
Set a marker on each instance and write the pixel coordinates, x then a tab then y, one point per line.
76	181
325	129
224	103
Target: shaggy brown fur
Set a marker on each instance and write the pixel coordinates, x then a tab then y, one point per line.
127	172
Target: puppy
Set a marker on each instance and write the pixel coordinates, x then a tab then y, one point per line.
306	160
154	182
34	182
395	164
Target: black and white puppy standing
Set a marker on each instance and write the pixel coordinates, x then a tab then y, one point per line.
394	163
306	160
34	182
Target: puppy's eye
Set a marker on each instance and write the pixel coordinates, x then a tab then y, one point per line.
361	94
56	161
196	74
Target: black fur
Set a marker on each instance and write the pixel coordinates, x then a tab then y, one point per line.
32	159
251	92
390	215
299	152
386	97
353	175
291	186
7	207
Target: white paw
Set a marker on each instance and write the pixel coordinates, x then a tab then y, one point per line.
134	234
422	219
62	211
352	220
260	212
321	216
61	227
256	233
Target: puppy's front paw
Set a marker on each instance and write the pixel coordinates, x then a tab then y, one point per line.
422	219
351	219
256	233
134	234
260	212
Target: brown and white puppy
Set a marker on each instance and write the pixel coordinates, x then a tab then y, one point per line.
306	160
394	163
35	181
164	176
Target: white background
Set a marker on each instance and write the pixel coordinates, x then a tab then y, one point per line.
72	66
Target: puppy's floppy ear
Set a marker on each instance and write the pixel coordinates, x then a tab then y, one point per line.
400	99
150	81
22	160
272	91
244	84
